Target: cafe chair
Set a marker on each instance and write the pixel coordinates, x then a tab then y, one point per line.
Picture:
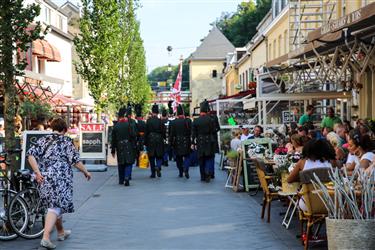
265	180
315	211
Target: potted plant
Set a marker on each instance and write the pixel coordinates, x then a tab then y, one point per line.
350	202
232	156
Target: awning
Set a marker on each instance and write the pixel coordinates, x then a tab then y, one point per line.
64	100
44	50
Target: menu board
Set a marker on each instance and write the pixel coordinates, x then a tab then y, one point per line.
30	138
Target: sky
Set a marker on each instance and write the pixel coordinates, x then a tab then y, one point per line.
177	23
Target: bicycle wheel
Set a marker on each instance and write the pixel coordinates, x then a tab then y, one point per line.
36	212
6	231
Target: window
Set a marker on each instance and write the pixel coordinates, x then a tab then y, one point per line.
274	48
240	79
243	81
285	41
269	51
247	78
47	15
41	66
279	46
214	73
60	22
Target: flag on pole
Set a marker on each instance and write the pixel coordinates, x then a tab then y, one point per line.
176	90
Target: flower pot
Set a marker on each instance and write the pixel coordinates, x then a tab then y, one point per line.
280	159
350	234
288	187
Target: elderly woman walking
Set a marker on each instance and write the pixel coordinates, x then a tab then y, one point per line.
51	159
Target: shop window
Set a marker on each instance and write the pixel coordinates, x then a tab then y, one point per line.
247	79
41	66
214	73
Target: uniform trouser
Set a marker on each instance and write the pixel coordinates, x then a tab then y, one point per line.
155	163
183	163
211	168
205	165
124	172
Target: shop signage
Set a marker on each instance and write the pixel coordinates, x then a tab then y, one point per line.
288	117
29	139
341	22
92	141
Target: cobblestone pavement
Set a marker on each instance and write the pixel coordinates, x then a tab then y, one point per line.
166	213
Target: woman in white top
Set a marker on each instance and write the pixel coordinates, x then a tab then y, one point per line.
361	147
316	154
235	143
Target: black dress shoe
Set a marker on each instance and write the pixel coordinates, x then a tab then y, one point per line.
208	178
152	176
126	183
180	175
187	175
158	173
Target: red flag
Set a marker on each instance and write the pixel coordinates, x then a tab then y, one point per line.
176	90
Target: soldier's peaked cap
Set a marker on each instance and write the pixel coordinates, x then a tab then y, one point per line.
204	106
155	109
180	110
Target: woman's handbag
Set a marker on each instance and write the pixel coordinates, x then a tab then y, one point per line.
143	159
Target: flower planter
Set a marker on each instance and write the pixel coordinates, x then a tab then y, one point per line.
280	159
288	187
350	234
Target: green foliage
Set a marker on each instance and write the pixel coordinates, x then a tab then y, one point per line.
232	154
161	74
36	110
17	31
111	52
240	27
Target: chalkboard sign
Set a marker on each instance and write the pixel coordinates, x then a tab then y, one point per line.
249	169
30	138
92	141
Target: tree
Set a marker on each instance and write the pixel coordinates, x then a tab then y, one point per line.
240	27
111	52
97	47
17	31
161	74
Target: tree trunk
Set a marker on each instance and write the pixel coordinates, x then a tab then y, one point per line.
9	99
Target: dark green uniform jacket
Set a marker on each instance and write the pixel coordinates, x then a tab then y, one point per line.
124	141
180	136
216	129
155	136
141	128
202	135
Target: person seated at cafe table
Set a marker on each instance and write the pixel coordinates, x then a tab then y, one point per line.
295	146
258	131
361	146
330	120
245	134
316	154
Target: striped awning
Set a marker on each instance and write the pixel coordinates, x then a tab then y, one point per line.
44	50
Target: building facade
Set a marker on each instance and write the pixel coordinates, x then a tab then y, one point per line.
206	67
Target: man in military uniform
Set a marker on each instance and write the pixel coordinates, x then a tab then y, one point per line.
202	138
124	137
155	136
164	119
141	129
216	129
180	135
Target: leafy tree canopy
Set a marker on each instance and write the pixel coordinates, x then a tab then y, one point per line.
161	74
239	27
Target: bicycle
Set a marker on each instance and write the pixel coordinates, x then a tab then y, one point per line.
7	194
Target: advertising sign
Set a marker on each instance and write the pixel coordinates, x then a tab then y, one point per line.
30	138
92	141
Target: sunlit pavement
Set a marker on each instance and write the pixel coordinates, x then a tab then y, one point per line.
166	213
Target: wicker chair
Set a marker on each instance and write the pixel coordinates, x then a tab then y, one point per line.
264	180
316	211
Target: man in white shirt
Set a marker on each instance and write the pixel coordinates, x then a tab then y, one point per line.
245	134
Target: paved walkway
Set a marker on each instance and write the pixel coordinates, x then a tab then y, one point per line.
165	213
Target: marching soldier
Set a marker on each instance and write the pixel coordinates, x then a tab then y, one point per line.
124	137
180	133
155	136
164	119
202	138
141	129
216	129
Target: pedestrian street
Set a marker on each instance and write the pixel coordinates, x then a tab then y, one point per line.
165	213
